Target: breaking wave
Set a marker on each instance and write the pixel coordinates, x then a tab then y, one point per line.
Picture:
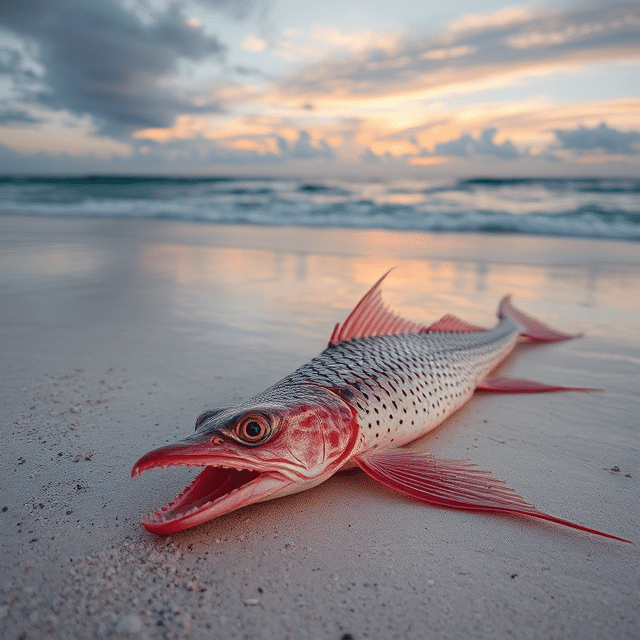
593	208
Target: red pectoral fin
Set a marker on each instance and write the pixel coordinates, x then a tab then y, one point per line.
457	484
518	385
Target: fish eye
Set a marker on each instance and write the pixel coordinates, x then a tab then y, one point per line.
253	429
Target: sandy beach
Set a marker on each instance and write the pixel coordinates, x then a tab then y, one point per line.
116	335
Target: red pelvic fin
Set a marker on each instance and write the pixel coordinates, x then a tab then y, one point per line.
451	324
457	484
532	328
518	385
371	317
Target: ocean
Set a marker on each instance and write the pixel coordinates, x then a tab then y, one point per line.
570	207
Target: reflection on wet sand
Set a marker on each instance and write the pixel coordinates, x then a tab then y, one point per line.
246	286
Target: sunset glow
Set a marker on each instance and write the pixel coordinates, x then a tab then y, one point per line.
506	89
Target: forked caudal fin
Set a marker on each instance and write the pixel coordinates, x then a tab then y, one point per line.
532	328
457	484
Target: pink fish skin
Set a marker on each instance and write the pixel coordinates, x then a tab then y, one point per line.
381	383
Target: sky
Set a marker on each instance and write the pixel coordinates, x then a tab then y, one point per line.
362	89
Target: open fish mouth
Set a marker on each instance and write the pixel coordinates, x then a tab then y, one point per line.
216	490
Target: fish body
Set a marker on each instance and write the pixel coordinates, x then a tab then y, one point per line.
381	383
402	386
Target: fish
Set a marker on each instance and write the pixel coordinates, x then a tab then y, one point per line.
381	383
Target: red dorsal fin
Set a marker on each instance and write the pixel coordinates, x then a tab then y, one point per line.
457	484
451	324
372	318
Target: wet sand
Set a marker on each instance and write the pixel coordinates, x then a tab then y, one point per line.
115	335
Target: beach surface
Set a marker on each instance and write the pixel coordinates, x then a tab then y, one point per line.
116	335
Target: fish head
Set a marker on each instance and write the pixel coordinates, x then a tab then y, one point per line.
270	446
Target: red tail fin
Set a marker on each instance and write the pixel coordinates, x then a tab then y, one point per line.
532	328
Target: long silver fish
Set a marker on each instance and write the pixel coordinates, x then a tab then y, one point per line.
381	383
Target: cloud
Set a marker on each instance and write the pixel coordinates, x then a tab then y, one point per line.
368	157
267	148
304	148
260	143
254	43
258	150
501	18
322	41
12	64
17	117
478	48
601	139
466	146
462	147
235	9
101	59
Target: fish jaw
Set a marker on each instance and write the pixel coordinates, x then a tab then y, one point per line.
225	484
313	433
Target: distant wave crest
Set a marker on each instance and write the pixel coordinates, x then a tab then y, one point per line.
594	208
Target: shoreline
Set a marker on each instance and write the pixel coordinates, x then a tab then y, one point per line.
448	245
117	334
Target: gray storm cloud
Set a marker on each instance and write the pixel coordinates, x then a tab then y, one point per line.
101	59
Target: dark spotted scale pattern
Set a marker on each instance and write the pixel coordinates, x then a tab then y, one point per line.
403	386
